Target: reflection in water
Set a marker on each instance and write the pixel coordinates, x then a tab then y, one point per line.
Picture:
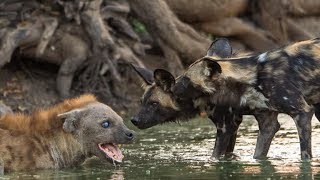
183	151
117	175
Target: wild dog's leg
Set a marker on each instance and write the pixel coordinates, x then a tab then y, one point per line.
294	104
268	126
227	123
76	52
317	111
237	120
302	119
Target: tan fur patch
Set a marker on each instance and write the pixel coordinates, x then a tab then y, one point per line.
196	74
294	48
43	120
243	75
158	95
164	98
315	50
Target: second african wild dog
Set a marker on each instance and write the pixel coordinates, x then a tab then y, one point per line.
159	106
62	136
285	80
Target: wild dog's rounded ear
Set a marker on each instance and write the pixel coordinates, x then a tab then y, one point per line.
70	120
220	47
145	74
164	79
211	67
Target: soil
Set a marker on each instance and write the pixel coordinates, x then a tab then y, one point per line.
26	85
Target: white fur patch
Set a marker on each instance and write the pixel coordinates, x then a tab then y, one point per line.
224	129
207	72
262	57
253	99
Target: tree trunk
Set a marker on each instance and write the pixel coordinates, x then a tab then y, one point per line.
170	33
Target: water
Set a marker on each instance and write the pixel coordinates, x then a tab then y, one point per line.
182	151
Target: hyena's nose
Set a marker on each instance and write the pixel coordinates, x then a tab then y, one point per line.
135	121
130	135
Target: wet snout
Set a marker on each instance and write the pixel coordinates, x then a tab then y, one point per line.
129	134
141	122
135	120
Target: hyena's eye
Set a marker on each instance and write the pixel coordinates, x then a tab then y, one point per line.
105	124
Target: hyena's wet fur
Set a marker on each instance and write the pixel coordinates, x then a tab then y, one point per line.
285	80
159	105
61	136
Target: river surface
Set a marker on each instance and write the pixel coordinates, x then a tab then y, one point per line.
183	150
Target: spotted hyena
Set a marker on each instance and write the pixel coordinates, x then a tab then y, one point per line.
62	136
159	105
285	80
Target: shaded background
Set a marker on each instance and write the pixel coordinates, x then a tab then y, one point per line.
93	42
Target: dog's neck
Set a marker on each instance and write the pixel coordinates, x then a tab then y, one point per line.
238	83
240	70
229	93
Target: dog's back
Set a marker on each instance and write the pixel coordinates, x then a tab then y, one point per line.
295	67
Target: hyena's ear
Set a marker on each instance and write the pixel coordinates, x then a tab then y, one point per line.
211	67
164	79
220	47
145	74
71	119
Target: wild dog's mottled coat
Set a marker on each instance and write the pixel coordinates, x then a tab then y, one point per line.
57	137
284	80
159	105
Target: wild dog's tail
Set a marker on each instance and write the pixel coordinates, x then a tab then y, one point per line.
317	111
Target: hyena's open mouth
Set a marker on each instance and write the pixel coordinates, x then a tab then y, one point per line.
112	151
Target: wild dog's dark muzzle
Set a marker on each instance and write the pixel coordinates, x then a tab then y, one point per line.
135	121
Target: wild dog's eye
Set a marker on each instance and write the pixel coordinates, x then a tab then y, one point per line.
105	124
155	104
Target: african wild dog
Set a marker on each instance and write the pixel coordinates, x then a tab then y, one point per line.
62	136
159	105
285	80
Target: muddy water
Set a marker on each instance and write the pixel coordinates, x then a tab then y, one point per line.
182	151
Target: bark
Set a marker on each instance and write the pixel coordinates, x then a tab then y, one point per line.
195	11
273	16
255	38
302	7
170	32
